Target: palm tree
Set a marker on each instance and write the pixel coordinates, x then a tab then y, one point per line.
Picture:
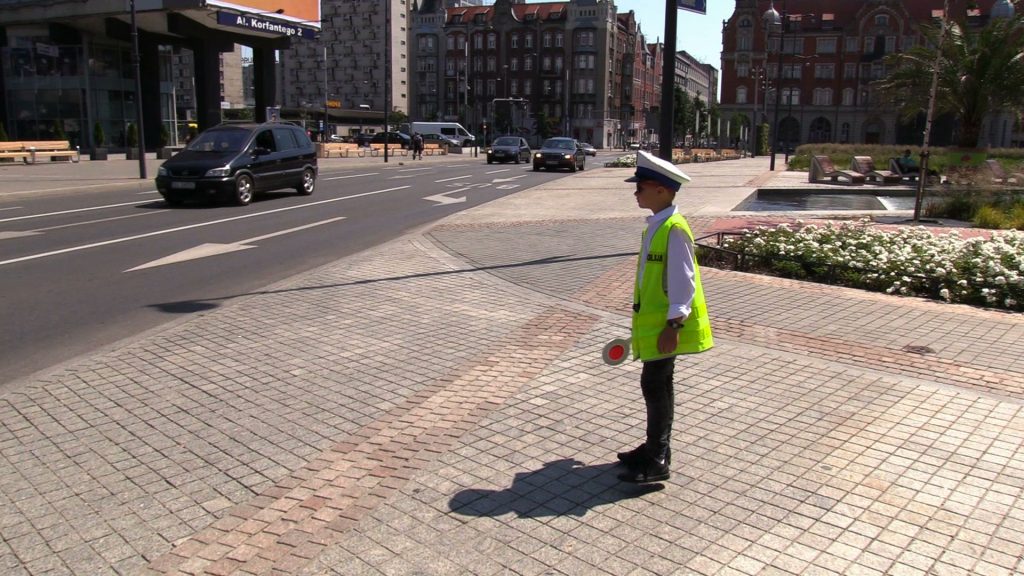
979	71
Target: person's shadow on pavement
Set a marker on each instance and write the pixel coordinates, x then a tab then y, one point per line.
559	488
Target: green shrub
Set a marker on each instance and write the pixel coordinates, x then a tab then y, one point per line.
131	136
58	130
990	217
1015	217
958	207
98	137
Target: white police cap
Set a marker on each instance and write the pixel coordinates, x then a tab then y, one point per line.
650	167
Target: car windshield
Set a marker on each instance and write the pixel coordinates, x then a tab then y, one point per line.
563	144
507	142
225	140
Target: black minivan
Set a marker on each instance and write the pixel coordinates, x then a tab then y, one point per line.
235	161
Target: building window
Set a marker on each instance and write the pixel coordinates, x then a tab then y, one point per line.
490	87
826	46
515	40
823	96
559	40
492	41
492	64
451	42
824	71
528	39
514	64
743	42
478	42
558	64
527	63
527	86
742	70
741	95
791	96
547	39
849	71
547	63
848	97
514	86
791	71
745	22
851	44
890	44
882	20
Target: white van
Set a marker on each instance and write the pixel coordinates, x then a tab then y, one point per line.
452	130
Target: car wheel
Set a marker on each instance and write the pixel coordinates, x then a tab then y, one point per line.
172	201
308	184
536	168
243	189
489	161
573	167
583	165
517	159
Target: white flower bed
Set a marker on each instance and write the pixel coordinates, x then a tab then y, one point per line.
909	261
627	161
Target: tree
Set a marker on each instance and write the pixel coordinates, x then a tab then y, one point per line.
682	112
131	136
97	135
397	118
979	71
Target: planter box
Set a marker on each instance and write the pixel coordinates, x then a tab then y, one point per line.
131	153
167	152
98	154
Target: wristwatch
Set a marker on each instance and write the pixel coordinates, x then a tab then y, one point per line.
675	324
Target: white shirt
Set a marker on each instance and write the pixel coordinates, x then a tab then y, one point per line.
680	272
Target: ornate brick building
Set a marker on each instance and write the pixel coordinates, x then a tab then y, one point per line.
578	65
832	50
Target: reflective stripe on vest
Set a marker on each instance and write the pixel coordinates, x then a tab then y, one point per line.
650	316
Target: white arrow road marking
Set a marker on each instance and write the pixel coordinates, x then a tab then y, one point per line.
75	210
507	186
496	171
442	199
351	176
19	234
455	178
496	180
213	249
180	228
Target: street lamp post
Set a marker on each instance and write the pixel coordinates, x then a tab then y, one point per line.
365	107
138	93
772	18
323	132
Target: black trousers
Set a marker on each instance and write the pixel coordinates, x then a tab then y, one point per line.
656	385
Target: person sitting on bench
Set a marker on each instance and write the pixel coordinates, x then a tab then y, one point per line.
907	163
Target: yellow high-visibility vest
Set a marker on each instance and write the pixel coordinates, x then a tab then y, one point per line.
650	302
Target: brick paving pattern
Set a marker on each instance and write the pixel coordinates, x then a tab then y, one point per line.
311	428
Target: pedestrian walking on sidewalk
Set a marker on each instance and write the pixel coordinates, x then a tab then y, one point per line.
417	146
669	314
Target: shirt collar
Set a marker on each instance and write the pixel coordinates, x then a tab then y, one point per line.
654	220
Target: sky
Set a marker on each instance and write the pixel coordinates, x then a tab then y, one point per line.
698	34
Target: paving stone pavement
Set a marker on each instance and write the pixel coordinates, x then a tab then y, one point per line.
313	428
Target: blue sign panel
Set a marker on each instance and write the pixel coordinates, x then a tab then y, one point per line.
264	25
698	6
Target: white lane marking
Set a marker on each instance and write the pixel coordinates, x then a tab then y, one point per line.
455	178
496	180
213	249
496	171
38	231
351	176
443	198
413	169
11	208
190	226
149	192
75	210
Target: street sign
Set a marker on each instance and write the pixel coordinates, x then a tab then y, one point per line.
698	6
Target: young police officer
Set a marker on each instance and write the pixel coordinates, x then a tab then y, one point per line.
669	315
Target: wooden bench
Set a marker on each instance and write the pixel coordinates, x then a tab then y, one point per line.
704	154
729	154
52	149
866	165
393	150
998	174
14	151
823	171
434	149
340	150
30	151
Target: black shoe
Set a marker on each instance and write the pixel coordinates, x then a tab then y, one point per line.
646	471
632	458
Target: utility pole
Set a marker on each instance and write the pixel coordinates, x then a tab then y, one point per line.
387	74
668	82
136	58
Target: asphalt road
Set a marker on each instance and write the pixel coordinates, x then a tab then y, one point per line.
87	268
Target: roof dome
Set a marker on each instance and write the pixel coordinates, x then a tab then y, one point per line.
1002	9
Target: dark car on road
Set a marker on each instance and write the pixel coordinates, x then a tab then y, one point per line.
508	149
558	153
235	161
394	139
588	149
441	139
